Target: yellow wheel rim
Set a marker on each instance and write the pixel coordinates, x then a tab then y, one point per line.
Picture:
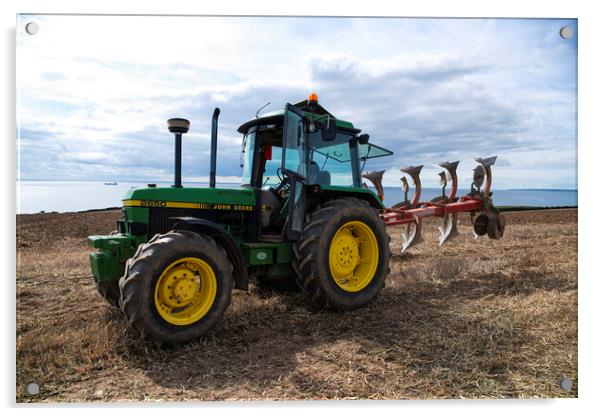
185	291
353	256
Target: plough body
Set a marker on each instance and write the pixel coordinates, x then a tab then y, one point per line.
485	218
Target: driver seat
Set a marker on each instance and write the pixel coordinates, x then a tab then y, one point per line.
323	178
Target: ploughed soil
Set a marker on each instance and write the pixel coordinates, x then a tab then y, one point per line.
471	319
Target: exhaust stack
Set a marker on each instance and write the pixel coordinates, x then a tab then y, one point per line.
212	167
178	126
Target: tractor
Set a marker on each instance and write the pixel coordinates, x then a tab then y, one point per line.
303	217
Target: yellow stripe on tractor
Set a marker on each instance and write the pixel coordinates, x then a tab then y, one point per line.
194	205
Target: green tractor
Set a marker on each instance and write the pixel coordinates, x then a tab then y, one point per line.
302	216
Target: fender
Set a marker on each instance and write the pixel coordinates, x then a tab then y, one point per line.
221	237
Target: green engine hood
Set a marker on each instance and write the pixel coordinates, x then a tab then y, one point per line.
203	198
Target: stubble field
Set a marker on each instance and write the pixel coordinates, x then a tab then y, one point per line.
473	319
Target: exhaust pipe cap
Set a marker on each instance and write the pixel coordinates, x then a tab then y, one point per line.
178	125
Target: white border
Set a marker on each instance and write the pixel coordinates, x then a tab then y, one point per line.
589	139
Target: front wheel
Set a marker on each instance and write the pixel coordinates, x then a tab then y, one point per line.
109	290
176	287
342	258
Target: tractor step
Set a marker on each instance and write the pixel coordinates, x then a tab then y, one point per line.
270	238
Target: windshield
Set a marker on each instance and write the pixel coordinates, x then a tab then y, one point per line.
246	162
330	161
371	151
333	165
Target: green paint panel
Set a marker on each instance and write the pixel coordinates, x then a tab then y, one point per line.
109	262
280	253
280	113
284	253
103	267
110	242
261	256
207	195
257	254
137	214
362	193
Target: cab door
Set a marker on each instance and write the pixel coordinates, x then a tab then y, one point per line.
294	157
294	166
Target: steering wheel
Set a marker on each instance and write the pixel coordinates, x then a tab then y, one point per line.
284	181
284	185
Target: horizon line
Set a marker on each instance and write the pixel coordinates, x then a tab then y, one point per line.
237	183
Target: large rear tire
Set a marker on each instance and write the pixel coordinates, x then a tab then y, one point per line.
176	287
342	258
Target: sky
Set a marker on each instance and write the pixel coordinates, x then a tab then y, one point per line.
94	92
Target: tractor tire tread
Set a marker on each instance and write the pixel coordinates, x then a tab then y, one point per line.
306	253
148	259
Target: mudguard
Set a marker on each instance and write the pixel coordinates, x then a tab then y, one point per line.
221	237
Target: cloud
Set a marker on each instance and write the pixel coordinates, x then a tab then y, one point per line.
94	107
87	157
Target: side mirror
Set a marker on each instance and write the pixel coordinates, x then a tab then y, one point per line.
329	130
363	138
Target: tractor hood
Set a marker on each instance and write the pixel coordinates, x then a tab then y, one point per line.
200	198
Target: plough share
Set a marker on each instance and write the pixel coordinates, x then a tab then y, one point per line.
485	217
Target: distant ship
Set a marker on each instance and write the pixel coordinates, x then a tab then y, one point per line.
110	183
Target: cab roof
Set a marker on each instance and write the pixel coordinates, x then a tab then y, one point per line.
275	117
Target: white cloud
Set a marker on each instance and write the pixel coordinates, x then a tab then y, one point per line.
94	92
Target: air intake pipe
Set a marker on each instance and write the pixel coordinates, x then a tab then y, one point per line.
213	148
178	126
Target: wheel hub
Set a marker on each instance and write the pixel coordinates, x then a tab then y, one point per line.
353	256
185	291
346	253
180	288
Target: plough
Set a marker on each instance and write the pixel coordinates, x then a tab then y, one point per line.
485	217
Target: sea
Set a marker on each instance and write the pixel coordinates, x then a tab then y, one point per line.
65	196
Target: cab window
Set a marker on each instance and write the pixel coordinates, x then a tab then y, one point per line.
330	162
246	157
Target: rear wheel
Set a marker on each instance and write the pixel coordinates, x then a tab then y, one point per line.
342	259
176	287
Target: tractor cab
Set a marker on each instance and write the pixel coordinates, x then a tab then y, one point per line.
299	149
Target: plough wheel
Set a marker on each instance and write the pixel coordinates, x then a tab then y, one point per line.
342	258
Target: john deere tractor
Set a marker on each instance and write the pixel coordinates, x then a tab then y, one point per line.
301	216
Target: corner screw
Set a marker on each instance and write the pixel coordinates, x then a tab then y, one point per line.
33	389
32	28
566	384
566	32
